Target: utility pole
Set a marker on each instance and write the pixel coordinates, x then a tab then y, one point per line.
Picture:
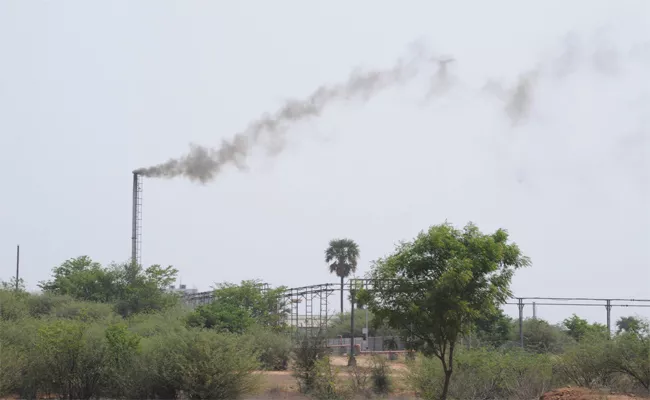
608	307
367	331
534	310
520	305
352	361
17	266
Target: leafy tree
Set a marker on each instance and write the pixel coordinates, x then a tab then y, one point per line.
542	337
493	329
236	308
434	287
340	326
578	328
131	288
11	285
72	359
631	325
83	279
342	256
631	356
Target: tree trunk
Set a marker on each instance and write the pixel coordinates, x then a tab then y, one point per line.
341	295
449	369
445	388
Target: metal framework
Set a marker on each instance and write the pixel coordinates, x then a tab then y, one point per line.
315	309
309	305
608	304
136	222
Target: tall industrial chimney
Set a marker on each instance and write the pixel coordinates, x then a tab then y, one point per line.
136	223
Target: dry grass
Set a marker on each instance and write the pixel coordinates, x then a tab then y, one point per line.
282	385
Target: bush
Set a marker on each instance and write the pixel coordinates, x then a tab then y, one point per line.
630	356
83	310
13	306
359	381
542	337
217	366
274	349
587	363
45	304
72	357
324	385
305	357
485	374
201	364
380	376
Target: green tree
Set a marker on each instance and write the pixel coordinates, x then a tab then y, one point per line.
631	356
436	286
542	337
83	279
578	328
72	359
11	285
339	325
131	288
493	329
342	256
631	325
236	308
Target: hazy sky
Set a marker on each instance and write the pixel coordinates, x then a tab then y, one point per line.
91	90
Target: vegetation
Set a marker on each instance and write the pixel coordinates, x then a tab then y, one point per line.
438	285
114	332
342	256
236	308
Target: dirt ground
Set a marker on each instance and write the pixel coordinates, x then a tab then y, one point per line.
583	394
281	385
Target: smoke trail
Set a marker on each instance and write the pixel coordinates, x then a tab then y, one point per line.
203	164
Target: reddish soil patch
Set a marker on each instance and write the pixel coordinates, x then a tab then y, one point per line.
583	394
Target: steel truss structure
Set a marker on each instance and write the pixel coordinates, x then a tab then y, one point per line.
306	307
309	305
315	307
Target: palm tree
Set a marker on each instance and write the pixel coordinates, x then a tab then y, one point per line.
343	255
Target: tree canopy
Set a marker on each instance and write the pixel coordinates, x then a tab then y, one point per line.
131	288
434	287
342	255
237	308
632	325
579	328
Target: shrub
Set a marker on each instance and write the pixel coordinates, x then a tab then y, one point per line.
324	385
542	337
72	359
13	306
45	304
201	364
359	381
631	356
274	349
587	363
83	310
122	348
380	376
309	350
485	374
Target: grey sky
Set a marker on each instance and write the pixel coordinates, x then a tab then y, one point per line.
91	90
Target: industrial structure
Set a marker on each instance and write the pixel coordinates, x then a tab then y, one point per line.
307	307
136	222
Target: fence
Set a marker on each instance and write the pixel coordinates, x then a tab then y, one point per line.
377	343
